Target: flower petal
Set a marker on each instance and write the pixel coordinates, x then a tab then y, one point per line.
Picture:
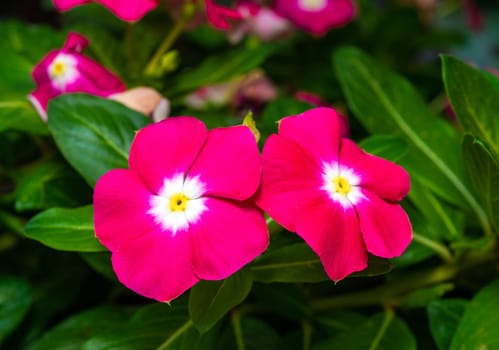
121	203
380	176
64	5
129	10
229	163
385	226
164	149
317	130
228	236
289	173
333	233
156	265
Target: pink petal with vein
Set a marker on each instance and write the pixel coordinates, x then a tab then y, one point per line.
380	176
164	149
317	130
289	174
385	226
229	235
121	202
229	163
334	234
156	265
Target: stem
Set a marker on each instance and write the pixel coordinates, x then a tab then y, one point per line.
389	316
131	44
307	335
389	293
238	332
437	247
169	341
169	39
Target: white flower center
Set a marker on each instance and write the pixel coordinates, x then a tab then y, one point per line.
342	184
178	203
312	5
62	71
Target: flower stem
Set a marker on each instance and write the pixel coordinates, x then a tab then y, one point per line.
131	45
437	247
238	332
187	13
307	335
389	316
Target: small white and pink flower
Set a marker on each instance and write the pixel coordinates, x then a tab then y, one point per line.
316	16
68	70
183	210
342	201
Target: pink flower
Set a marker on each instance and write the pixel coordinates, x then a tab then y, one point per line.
181	212
220	16
67	70
339	199
126	10
316	16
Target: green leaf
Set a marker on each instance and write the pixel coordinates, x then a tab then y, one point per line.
93	134
286	300
209	301
386	103
156	326
19	114
385	146
65	229
380	332
339	321
100	262
249	334
444	316
292	263
423	296
483	172
72	333
50	184
474	99
15	300
477	327
375	266
211	71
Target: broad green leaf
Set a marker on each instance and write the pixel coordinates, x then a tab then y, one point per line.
423	296
483	172
19	114
65	229
287	300
156	326
375	266
209	301
50	184
386	103
72	333
221	68
93	134
292	263
474	99
444	316
15	300
477	329
385	146
380	332
249	334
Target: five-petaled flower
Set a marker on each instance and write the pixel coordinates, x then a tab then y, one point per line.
126	10
182	211
316	16
67	70
339	199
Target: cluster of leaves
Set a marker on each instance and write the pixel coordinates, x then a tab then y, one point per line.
441	294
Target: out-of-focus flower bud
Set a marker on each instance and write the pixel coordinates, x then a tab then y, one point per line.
145	100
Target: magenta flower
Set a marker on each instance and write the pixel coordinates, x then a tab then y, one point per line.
181	212
339	199
220	16
67	70
316	16
126	10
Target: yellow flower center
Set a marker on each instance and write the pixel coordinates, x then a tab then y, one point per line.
341	185
178	202
312	5
58	69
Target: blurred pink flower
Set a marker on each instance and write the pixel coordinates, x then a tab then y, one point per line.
339	199
182	211
220	16
316	16
262	22
126	10
67	70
